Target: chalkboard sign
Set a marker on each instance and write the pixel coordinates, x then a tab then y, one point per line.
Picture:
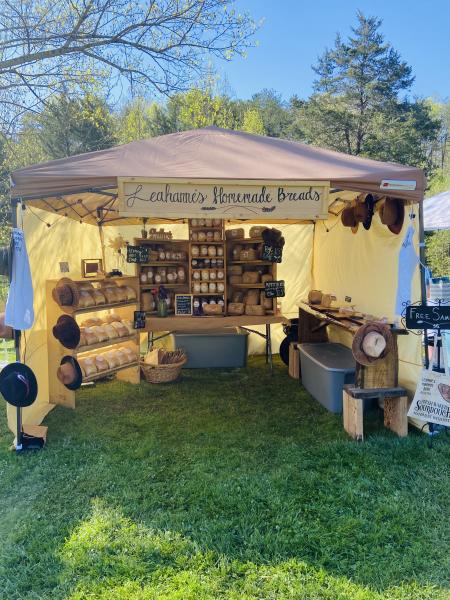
183	304
272	253
139	319
427	317
274	289
137	254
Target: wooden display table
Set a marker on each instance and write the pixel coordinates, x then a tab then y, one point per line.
170	324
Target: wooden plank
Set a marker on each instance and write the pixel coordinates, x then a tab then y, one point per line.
294	360
353	416
395	415
357	392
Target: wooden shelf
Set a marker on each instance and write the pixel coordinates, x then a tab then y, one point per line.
149	241
259	286
245	241
250	262
163	263
111	342
197	294
104	374
99	307
148	286
207	243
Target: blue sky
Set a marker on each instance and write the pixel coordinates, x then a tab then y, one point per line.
296	32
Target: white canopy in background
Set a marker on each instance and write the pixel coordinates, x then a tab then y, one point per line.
436	212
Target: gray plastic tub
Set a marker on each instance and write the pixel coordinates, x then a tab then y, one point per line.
325	368
219	348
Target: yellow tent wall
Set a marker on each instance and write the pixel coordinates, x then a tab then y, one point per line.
364	266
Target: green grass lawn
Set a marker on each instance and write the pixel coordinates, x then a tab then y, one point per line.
228	484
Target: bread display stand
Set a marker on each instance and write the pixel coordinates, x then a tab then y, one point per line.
58	393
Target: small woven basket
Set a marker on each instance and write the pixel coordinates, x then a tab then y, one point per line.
162	373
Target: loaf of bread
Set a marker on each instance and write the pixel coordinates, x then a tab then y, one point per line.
212	309
120	328
248	254
91	336
86	299
235	279
236	308
235	269
266	302
99	297
234	234
100	332
91	321
111	331
111	294
256	231
112	359
237	297
251	298
250	277
88	366
101	363
266	277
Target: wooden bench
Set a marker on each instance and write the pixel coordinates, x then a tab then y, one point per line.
395	409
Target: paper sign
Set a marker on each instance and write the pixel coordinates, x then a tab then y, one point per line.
431	401
143	197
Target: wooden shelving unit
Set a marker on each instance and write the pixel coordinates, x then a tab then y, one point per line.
256	264
58	393
218	230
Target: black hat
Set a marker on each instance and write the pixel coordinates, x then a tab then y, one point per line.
67	331
18	384
69	373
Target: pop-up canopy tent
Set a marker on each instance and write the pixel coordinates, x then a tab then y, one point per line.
235	176
436	212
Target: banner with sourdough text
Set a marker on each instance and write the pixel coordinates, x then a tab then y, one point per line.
141	197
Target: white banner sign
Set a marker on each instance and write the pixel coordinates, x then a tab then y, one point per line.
431	401
140	197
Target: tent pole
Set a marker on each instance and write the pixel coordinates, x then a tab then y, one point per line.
102	244
14	204
423	287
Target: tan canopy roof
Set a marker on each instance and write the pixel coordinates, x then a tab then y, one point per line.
79	185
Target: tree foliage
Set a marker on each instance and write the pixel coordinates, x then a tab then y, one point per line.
357	105
438	253
48	46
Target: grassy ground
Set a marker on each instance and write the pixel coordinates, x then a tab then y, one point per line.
230	484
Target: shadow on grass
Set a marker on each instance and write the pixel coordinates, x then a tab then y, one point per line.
266	494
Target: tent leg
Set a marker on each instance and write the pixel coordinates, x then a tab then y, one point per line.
423	288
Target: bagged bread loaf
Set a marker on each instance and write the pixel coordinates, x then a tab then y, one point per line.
266	302
129	325
250	277
85	285
86	299
248	254
100	332
112	359
121	294
121	357
111	294
251	297
212	309
99	296
111	331
266	277
82	337
91	335
236	308
101	363
88	366
129	292
120	328
90	322
236	251
112	317
130	354
237	297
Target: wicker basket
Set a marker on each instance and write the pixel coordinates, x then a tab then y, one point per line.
162	373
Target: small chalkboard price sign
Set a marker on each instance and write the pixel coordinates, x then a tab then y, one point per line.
274	289
139	319
427	317
183	304
272	253
137	254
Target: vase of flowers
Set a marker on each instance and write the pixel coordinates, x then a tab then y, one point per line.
161	295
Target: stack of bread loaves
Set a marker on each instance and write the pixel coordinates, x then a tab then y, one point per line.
106	361
111	327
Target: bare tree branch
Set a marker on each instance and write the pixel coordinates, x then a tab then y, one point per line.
159	44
